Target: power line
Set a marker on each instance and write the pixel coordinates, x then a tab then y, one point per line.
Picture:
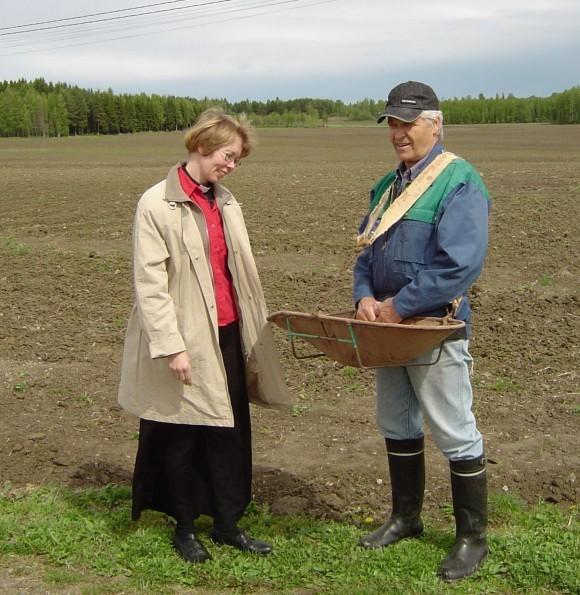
95	14
200	11
115	18
97	27
195	17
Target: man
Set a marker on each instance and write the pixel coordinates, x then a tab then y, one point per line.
422	264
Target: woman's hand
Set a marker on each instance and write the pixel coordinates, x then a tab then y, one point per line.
180	367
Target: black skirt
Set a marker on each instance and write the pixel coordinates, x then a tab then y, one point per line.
186	470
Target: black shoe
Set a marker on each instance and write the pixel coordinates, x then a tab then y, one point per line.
392	531
243	542
191	549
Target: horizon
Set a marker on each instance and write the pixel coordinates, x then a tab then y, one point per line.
107	88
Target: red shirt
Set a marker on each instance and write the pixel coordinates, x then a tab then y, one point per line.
223	286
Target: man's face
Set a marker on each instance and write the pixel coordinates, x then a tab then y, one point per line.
413	140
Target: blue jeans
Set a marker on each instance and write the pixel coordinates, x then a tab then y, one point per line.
441	393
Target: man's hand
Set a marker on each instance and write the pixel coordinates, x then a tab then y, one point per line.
180	367
386	312
366	309
372	310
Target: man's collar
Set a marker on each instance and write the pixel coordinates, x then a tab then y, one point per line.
412	172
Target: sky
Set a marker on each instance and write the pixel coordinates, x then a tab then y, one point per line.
262	49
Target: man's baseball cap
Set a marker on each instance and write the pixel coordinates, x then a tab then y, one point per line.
407	100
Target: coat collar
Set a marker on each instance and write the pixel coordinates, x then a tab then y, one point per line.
174	192
409	174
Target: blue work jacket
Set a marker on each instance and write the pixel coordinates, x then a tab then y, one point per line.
435	252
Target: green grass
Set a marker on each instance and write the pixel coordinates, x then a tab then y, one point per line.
14	247
22	384
84	398
500	384
298	410
503	385
85	539
353	375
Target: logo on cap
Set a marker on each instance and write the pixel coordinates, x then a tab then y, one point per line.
407	100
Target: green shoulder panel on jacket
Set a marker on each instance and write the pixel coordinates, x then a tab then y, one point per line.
456	173
379	188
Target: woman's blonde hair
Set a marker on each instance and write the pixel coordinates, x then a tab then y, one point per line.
214	129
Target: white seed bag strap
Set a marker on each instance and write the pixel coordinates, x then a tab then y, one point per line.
404	201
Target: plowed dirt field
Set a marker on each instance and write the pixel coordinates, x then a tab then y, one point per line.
66	209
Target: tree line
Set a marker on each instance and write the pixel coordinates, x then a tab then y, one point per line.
38	108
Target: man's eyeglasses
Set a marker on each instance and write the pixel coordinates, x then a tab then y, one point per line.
230	158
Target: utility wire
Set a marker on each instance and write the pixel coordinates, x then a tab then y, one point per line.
195	17
95	14
99	28
115	18
195	13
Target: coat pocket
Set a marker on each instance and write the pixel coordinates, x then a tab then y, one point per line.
412	246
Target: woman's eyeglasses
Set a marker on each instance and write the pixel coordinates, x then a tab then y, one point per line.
230	158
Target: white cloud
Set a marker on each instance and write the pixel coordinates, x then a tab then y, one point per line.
340	39
108	67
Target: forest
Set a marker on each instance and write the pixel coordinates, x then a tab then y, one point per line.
40	108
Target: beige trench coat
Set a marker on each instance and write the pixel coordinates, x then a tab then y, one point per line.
175	310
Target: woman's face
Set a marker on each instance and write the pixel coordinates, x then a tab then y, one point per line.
214	166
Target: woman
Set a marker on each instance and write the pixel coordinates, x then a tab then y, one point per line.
198	346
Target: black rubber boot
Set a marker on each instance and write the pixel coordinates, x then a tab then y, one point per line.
407	471
469	489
